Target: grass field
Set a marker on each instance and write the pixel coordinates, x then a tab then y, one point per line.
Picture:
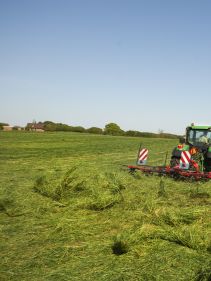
69	212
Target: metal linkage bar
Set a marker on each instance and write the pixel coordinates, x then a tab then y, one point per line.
173	172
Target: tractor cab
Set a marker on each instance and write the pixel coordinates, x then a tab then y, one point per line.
197	142
197	135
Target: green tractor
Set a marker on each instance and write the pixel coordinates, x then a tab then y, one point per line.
191	159
194	150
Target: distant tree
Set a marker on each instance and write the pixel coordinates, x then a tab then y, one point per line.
2	125
48	122
149	135
49	126
78	129
95	130
113	129
132	133
62	127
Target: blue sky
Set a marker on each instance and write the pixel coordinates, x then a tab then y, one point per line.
143	64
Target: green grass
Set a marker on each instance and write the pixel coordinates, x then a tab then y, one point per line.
68	211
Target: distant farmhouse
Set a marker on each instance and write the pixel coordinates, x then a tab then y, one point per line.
36	127
7	128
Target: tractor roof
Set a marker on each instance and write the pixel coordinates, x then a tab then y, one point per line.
199	127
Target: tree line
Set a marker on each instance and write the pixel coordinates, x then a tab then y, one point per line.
110	129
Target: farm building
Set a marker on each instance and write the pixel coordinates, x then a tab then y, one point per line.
37	127
7	128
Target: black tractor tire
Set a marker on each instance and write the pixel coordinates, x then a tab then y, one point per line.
174	162
207	165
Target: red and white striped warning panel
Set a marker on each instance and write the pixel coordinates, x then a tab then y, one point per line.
142	158
185	160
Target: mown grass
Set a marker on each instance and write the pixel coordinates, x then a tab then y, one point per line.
69	212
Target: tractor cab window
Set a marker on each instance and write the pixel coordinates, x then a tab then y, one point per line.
196	136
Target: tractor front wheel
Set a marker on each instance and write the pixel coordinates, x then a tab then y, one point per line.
174	162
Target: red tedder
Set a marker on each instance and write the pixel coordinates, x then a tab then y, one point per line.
186	168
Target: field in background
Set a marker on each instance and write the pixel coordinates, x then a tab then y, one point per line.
69	212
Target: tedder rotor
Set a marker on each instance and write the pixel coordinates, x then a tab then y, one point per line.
190	159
